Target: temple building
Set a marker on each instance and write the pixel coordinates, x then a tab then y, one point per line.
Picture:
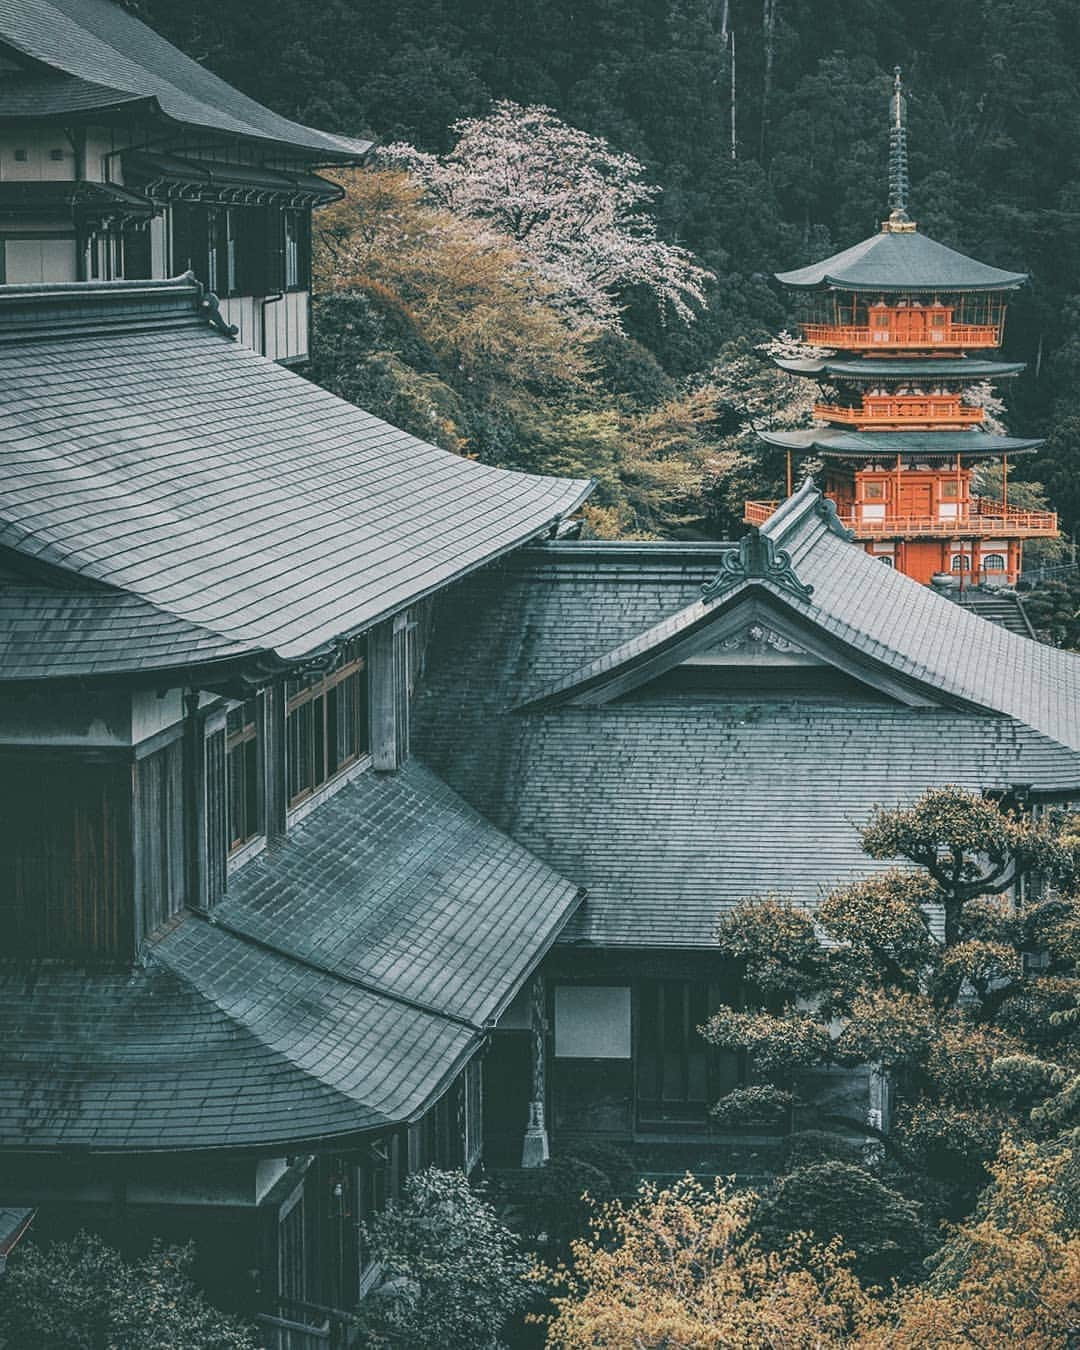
121	158
909	330
681	726
355	816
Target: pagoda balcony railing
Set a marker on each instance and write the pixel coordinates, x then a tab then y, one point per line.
982	518
845	336
941	412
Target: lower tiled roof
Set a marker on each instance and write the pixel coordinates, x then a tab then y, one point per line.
670	808
340	988
399	882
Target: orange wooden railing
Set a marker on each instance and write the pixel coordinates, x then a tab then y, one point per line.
985	517
889	412
949	335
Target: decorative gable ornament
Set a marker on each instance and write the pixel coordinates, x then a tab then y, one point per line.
756	559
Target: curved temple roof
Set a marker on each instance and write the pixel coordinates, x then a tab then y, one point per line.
116	59
902	261
868	444
872	367
245	507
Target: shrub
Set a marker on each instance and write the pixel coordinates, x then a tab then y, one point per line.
452	1274
81	1295
830	1200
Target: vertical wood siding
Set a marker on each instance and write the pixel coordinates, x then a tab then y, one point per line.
217	829
66	857
159	837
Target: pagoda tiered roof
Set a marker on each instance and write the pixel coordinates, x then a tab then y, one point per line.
875	367
904	262
887	444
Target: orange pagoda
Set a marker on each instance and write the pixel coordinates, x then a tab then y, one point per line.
910	327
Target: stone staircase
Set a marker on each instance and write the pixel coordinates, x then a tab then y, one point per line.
1001	607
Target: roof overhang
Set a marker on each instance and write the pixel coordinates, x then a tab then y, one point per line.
173	177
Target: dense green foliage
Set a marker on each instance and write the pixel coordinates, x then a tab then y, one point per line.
451	1274
994	105
82	1295
934	975
831	1200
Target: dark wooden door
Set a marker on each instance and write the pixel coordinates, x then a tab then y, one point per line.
508	1079
679	1075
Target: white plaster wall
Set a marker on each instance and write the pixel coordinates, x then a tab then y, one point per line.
151	714
246	313
38	143
31	261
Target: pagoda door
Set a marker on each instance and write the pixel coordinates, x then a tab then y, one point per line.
910	326
915	498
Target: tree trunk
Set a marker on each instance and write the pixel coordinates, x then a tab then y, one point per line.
768	24
734	151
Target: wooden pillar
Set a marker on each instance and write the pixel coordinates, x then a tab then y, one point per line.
535	1150
388	683
276	767
896	504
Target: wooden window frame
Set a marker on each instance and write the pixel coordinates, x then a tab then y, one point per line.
321	689
296	249
250	733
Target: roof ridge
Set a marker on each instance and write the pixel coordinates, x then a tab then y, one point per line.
74	309
808	502
357	982
156	959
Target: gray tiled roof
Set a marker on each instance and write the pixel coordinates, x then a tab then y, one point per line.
878	613
101	43
876	367
217	1043
902	261
144	450
33	94
670	807
918	633
340	987
867	444
53	634
429	901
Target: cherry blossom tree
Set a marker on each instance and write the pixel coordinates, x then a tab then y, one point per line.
578	209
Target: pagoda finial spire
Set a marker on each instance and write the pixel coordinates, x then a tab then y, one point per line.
899	221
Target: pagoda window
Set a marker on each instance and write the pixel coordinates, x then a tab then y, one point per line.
874	492
993	562
327	725
961	562
243	774
887	559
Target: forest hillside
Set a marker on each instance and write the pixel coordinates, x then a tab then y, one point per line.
764	125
